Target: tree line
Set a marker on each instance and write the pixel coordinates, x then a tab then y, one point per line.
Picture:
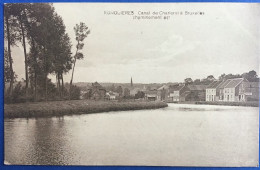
251	76
46	49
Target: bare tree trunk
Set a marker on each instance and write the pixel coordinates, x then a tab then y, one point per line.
72	77
62	85
75	57
10	92
59	85
35	86
35	70
25	60
57	80
45	74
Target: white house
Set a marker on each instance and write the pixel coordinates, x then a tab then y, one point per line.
112	95
212	91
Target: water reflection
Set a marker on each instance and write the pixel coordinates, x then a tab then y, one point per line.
177	135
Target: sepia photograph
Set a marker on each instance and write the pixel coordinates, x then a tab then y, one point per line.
131	84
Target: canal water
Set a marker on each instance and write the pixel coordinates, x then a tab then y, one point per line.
179	135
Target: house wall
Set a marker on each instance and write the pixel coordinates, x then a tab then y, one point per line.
175	96
248	93
211	94
221	95
230	95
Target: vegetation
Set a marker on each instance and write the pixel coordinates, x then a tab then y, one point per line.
250	76
60	108
37	27
81	32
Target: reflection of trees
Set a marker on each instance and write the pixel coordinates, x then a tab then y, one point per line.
48	146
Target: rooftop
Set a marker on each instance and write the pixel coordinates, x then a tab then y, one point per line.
164	87
197	87
176	88
251	84
234	82
151	92
224	83
214	84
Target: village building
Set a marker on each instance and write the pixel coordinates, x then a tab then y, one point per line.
220	90
248	91
97	92
151	95
176	92
231	90
212	91
163	93
134	90
112	95
194	93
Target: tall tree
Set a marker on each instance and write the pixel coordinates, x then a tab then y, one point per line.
11	35
42	38
81	32
119	90
188	81
7	69
19	10
251	76
62	61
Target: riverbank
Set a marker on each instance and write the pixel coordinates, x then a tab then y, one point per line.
60	108
247	104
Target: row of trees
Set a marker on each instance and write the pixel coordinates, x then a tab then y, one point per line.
250	76
37	27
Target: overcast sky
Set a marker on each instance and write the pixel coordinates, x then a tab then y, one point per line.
223	40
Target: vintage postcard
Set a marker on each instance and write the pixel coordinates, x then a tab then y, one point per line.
146	84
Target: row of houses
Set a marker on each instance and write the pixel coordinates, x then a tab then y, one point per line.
177	93
233	90
230	90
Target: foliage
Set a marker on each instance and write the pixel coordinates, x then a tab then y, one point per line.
126	92
139	95
7	69
119	90
49	44
81	32
188	81
75	93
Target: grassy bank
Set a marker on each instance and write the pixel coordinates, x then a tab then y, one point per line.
60	108
248	104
